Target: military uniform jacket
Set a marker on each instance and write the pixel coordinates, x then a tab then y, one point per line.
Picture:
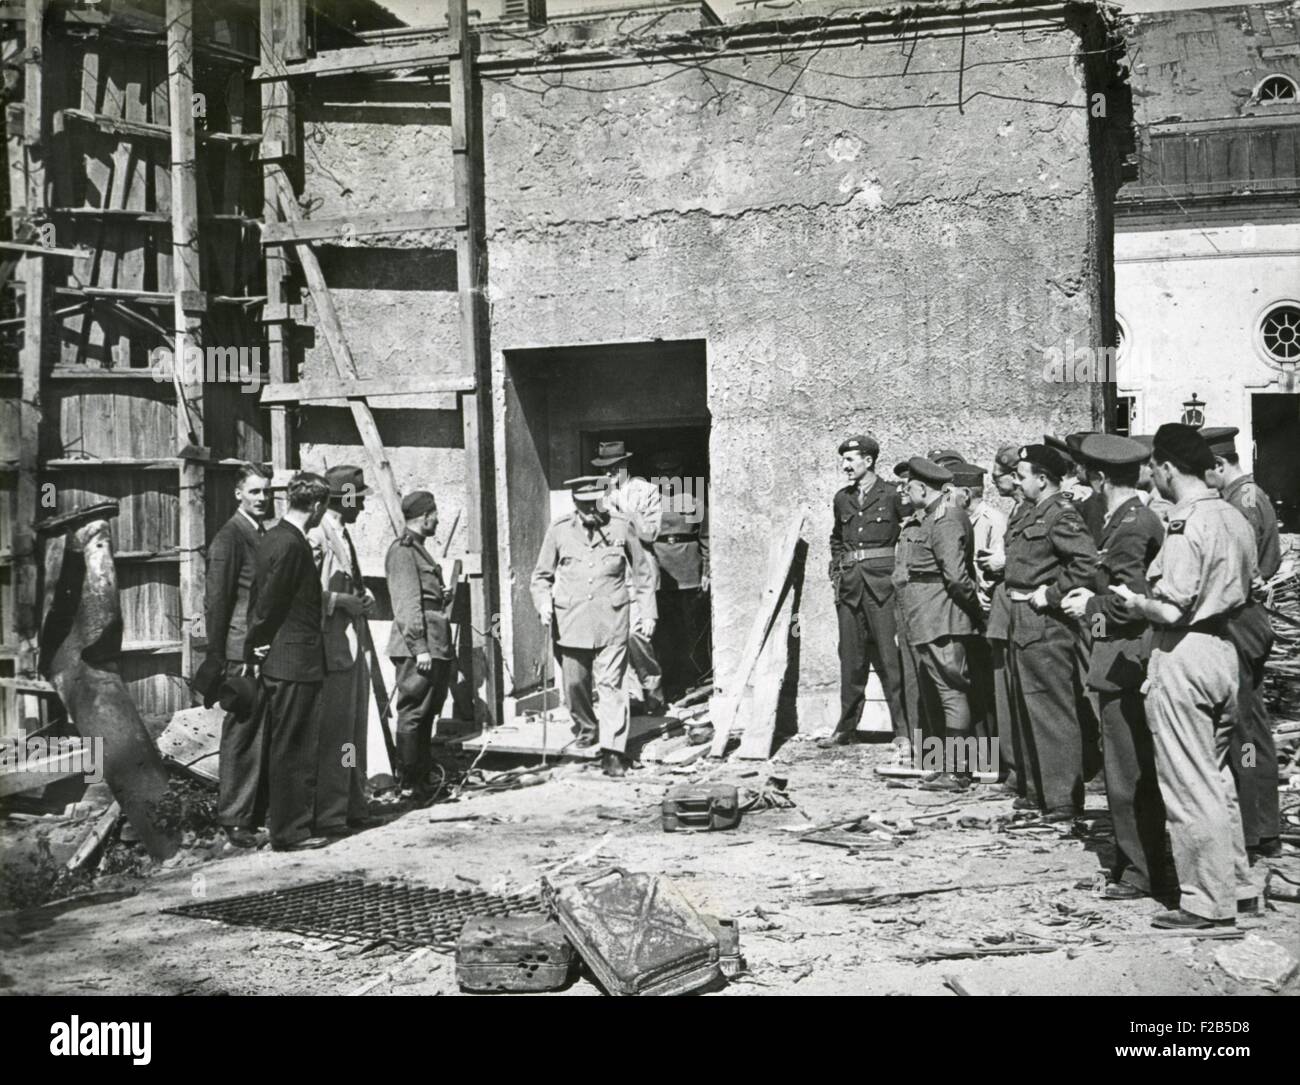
1244	495
420	602
682	545
935	575
1048	544
1093	510
1130	541
870	521
1207	562
588	578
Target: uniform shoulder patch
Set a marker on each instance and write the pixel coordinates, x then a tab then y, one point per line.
1177	527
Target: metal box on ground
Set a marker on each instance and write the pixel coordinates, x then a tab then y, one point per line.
637	933
727	931
700	807
513	953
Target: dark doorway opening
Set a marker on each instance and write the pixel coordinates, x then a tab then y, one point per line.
1275	419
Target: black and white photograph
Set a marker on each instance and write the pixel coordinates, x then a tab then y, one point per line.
719	498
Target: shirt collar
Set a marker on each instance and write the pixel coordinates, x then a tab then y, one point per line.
1180	511
257	524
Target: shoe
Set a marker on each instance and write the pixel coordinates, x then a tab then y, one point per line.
369	821
1024	803
1265	849
839	738
1180	920
946	781
241	838
1122	891
1249	907
332	831
613	763
1064	813
653	706
307	844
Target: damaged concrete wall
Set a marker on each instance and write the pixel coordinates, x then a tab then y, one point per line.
882	234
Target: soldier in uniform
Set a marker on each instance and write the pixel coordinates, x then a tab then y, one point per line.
1254	752
591	572
1200	577
1131	538
991	565
640	502
682	553
939	611
868	513
1147	492
1049	553
420	642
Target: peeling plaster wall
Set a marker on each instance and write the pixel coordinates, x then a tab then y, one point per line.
859	253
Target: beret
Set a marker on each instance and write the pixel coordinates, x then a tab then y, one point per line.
1111	450
417	503
1184	445
1004	463
928	471
901	468
1220	439
1048	458
862	442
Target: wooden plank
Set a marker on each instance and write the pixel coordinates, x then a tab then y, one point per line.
775	585
345	365
186	279
343	229
309	391
760	723
374	58
44	250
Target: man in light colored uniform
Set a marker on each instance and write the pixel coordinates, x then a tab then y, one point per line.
1200	577
641	503
591	572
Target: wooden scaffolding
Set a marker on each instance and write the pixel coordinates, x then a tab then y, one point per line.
152	154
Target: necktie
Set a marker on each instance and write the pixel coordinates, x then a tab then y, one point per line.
356	565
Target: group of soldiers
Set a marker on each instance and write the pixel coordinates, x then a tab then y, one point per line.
1112	622
286	610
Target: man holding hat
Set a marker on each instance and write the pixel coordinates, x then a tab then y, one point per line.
345	696
420	641
1117	668
1050	552
639	502
867	517
939	612
591	574
1254	752
1200	577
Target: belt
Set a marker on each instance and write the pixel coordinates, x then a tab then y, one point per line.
925	578
677	538
1019	596
1215	627
850	556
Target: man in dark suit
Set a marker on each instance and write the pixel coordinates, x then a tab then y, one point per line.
867	514
285	642
225	613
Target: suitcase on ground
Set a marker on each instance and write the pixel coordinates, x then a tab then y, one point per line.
513	953
700	807
727	931
637	933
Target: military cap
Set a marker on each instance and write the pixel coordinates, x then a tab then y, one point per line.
945	457
967	474
1183	445
928	471
1048	458
587	487
862	442
346	480
1055	442
1074	441
1004	463
1220	439
1146	439
418	503
1112	450
609	453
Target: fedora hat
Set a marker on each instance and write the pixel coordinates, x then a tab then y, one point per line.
238	696
609	453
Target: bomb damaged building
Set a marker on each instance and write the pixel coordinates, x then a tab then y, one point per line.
466	260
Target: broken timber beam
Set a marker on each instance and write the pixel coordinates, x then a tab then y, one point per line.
374	58
351	226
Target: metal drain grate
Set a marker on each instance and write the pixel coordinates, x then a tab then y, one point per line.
359	912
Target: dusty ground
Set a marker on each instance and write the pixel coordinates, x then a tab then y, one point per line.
760	873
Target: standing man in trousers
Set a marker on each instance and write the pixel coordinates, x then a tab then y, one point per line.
420	641
867	517
345	696
1254	752
285	643
1200	577
682	553
1050	552
240	808
590	571
1131	537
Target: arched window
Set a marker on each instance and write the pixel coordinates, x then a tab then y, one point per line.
1276	90
1279	333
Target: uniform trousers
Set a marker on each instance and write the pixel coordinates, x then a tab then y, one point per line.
341	770
680	638
945	685
921	721
289	710
641	653
419	702
1137	811
869	638
605	667
1004	707
1191	707
1254	752
241	772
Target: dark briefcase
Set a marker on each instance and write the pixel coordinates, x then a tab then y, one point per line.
512	953
637	933
701	807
